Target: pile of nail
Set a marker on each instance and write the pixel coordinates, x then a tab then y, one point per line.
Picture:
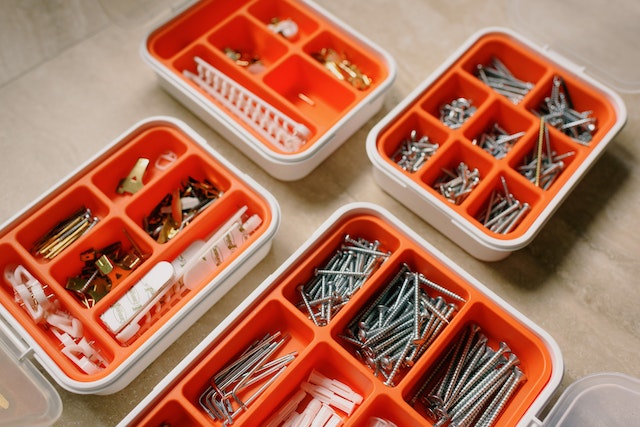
414	151
257	367
558	111
543	166
455	113
456	185
396	328
103	269
45	310
327	396
499	78
65	233
504	212
472	384
332	286
342	68
179	208
497	141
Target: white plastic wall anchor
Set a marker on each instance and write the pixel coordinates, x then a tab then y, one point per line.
335	386
330	398
272	124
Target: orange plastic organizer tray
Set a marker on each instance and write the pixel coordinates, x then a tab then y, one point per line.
458	79
290	72
94	186
273	307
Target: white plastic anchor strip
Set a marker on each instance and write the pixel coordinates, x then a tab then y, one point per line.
272	124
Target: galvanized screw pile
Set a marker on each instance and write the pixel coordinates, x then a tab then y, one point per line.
414	152
455	185
504	212
546	169
558	111
333	286
456	112
396	328
255	366
471	384
497	141
498	77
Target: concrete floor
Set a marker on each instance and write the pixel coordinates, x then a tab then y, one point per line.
71	80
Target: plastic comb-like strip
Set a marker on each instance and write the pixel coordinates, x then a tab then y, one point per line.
271	123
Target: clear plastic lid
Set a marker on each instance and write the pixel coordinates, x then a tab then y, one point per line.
26	397
603	399
601	36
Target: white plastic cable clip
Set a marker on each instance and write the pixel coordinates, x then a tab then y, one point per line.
66	323
272	124
81	353
335	386
29	292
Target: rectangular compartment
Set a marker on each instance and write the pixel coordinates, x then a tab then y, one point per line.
284	80
59	305
539	85
326	349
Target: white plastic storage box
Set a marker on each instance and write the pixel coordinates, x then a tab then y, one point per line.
106	269
318	343
283	80
489	146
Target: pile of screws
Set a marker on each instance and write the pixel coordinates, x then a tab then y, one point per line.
332	286
542	167
65	233
342	68
255	367
414	152
504	212
472	384
499	78
457	112
103	269
558	111
497	141
456	185
251	62
400	324
179	208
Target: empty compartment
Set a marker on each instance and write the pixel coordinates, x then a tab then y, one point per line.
173	413
413	305
180	32
558	160
275	15
496	55
454	99
91	270
506	206
248	45
324	363
580	111
310	276
411	141
178	199
457	172
499	128
124	174
317	96
270	319
62	222
511	344
367	70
